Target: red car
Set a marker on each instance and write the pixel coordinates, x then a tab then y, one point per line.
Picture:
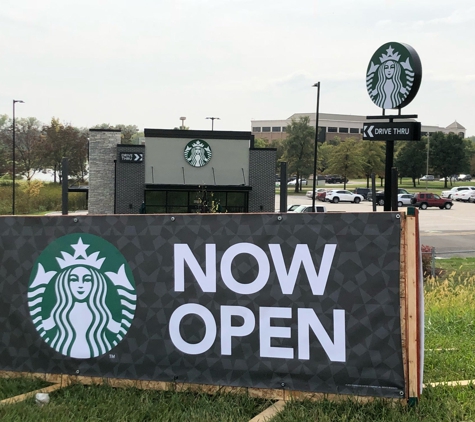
321	196
423	200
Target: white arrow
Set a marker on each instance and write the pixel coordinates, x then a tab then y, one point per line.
369	131
137	157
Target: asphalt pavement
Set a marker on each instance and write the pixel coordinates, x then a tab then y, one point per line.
450	232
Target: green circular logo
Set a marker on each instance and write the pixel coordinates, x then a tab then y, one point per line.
197	153
394	75
81	296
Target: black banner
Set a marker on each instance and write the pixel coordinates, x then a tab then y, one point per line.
301	302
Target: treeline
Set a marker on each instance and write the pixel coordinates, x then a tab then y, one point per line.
446	154
39	147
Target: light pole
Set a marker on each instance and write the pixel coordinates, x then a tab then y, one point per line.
182	122
14	158
315	177
427	168
212	121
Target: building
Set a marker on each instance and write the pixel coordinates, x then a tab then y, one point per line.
334	125
180	171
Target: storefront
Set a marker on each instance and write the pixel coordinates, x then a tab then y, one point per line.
180	171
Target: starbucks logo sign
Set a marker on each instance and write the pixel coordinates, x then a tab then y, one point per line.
197	153
394	75
81	296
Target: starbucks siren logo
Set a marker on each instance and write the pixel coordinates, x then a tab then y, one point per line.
81	304
393	76
197	153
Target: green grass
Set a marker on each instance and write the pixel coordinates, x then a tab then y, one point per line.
449	356
104	403
11	387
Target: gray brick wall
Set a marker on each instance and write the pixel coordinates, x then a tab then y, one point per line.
102	153
262	164
130	181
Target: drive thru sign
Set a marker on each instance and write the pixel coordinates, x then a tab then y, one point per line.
400	131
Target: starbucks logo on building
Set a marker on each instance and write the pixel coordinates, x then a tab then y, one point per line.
394	75
81	296
197	153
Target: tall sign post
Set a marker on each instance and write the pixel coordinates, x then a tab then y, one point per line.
393	79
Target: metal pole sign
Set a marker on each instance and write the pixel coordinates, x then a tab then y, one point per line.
405	131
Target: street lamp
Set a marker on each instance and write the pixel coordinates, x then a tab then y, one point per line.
182	122
315	177
212	121
427	169
14	158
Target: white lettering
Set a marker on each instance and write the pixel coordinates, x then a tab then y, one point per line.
182	254
210	324
308	319
267	332
318	281
262	275
228	331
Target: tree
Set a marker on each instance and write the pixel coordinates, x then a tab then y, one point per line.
260	143
373	158
346	160
29	146
299	148
448	154
64	141
411	160
5	144
324	154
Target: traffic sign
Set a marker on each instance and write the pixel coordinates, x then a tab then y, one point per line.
400	131
131	157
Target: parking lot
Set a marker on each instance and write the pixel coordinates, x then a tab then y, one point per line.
449	231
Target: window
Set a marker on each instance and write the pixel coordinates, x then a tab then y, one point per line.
266	129
354	130
256	129
275	128
284	129
332	129
343	130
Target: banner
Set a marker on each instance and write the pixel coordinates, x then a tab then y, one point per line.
296	301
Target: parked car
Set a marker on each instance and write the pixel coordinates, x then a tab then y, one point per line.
292	207
404	199
463	195
427	177
321	196
423	200
464	177
318	190
309	208
449	193
303	182
362	191
336	196
380	195
335	178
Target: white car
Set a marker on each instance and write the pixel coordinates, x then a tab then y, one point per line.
463	195
337	195
309	208
449	194
404	199
302	182
309	192
427	177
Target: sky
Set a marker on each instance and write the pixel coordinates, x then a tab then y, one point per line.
150	62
